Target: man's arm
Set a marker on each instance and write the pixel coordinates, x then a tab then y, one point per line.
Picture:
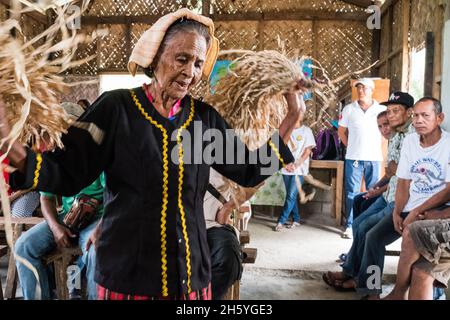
401	199
61	233
343	135
435	201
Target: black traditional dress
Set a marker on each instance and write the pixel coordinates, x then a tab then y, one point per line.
153	235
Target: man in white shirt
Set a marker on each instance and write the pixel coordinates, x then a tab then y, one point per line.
423	184
359	132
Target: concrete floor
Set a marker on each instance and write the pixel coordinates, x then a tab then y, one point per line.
290	263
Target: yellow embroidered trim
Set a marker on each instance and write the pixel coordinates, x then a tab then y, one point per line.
277	152
165	195
180	190
37	171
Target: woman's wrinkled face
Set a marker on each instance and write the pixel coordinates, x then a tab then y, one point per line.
180	65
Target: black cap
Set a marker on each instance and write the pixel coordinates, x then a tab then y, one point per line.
402	98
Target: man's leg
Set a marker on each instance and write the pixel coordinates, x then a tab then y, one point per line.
353	176
364	224
32	246
408	256
291	198
381	235
88	260
226	260
371	173
421	285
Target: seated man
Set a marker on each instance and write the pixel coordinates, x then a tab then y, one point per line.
223	238
40	240
364	200
425	257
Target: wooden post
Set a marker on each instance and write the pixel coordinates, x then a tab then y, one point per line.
206	7
429	65
128	39
406	14
390	17
315	55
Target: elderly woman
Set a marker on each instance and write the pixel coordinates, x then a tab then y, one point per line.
152	240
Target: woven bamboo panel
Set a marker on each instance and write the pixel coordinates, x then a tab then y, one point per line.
137	29
31	28
235	6
343	47
140	7
3	12
82	91
85	51
426	16
112	54
321	5
237	35
296	35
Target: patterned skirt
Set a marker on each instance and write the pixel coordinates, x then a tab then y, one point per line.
105	294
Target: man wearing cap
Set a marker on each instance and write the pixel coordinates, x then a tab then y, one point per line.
399	116
358	131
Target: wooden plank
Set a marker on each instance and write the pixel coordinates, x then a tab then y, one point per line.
25	221
251	16
406	14
244	237
429	65
376	46
387	4
325	164
390	17
206	7
339	191
389	57
250	255
359	3
11	277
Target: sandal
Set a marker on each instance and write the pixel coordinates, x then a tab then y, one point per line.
337	284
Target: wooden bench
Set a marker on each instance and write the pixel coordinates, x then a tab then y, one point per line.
249	256
337	182
61	258
19	225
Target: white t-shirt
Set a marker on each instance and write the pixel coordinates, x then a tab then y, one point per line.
427	168
364	138
301	138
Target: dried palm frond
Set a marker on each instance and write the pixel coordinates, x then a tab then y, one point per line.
250	96
31	81
30	85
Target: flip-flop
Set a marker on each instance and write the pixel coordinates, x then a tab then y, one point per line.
334	283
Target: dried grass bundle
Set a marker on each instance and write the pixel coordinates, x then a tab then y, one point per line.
31	81
250	96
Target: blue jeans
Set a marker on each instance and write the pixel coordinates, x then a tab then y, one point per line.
39	241
290	205
354	172
360	204
376	240
363	224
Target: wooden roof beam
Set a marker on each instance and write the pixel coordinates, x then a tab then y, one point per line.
359	3
270	16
